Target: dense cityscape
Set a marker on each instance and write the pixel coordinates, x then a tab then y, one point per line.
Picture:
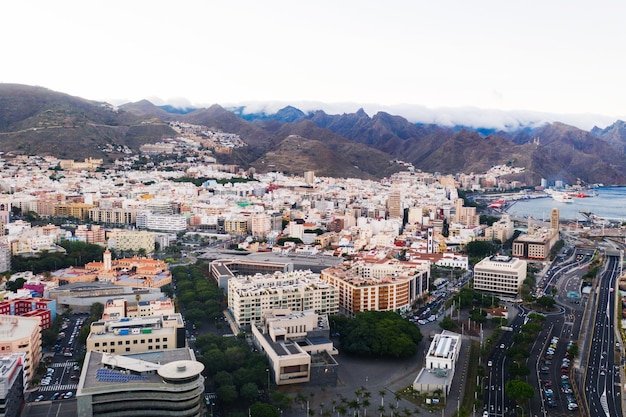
168	284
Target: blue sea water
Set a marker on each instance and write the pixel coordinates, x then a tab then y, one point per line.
609	203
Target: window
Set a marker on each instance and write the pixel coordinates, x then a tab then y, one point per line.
150	347
104	343
149	340
143	341
97	344
119	343
164	346
165	339
158	339
135	342
128	342
112	350
127	349
157	347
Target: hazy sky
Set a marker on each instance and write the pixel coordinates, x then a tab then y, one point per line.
434	57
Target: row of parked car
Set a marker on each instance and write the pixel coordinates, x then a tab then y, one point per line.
566	387
56	396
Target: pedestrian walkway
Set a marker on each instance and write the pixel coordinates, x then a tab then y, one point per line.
64	387
62	364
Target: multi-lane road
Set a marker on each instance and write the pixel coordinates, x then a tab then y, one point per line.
602	378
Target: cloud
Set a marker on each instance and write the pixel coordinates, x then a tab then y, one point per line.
507	120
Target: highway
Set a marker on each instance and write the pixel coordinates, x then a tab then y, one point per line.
602	379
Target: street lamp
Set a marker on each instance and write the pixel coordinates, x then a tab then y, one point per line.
268	381
521	408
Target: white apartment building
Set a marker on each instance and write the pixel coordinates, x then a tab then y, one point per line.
250	296
500	274
147	220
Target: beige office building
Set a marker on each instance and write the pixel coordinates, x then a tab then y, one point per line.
138	334
500	274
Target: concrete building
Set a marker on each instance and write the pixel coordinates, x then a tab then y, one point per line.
386	285
441	359
148	220
169	383
11	384
500	275
113	215
5	254
536	244
81	295
118	308
250	296
132	241
297	346
223	269
394	204
22	334
138	334
501	230
43	308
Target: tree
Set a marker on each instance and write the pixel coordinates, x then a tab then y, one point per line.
249	391
447	323
263	410
519	390
227	393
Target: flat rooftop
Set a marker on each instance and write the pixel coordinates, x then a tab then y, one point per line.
113	372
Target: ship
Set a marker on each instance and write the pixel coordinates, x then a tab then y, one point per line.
562	197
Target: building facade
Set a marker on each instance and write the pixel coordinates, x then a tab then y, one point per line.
250	296
11	384
500	274
22	334
388	285
139	334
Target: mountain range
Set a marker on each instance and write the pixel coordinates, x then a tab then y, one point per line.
35	120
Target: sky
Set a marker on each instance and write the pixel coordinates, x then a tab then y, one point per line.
450	61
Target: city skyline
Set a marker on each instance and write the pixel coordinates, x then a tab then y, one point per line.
484	63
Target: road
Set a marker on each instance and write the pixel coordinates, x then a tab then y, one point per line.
602	379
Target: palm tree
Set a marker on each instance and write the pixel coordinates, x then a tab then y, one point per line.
354	404
365	403
397	397
342	410
381	409
382	394
137	298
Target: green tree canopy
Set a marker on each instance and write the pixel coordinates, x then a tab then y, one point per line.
378	333
519	390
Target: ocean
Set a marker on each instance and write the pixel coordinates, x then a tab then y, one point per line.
609	203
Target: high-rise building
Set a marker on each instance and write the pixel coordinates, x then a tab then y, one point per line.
394	204
554	219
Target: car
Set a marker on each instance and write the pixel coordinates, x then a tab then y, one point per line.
489	363
547	383
55	396
485	414
69	394
502	346
572	406
39	398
